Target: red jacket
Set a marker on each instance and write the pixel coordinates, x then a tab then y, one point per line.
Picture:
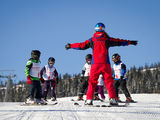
100	44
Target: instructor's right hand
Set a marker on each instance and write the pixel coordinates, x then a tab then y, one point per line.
68	46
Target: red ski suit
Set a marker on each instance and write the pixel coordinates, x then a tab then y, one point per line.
100	44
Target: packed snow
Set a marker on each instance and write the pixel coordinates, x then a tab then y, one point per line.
147	108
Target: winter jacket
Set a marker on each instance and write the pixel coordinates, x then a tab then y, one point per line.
100	45
48	73
33	69
86	70
119	71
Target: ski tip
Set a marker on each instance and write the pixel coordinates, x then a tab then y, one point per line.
53	103
72	99
133	102
98	106
76	104
117	105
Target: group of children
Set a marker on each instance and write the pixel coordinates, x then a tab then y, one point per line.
100	44
48	76
119	76
96	72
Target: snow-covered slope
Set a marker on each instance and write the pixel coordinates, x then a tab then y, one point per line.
147	108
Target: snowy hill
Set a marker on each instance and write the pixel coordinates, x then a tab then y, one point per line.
147	108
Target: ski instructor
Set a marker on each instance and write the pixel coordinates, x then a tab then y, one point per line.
100	44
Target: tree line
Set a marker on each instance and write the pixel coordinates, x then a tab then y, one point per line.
139	80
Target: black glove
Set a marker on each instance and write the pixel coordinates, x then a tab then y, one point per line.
134	42
68	46
121	78
56	80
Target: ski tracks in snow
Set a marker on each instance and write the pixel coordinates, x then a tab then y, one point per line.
147	108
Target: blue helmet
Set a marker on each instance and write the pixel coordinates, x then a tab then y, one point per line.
100	27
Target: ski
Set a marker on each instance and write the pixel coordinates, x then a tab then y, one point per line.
76	103
125	105
76	100
54	103
26	104
127	102
103	105
84	100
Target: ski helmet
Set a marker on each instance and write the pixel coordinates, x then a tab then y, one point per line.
100	27
116	57
51	59
88	56
35	54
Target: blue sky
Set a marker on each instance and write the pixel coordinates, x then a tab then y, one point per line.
47	25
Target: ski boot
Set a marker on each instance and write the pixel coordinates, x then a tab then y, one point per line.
80	99
41	101
53	99
119	101
45	100
129	100
113	102
96	98
102	100
29	101
88	102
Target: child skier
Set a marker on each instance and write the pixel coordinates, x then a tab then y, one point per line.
100	43
100	87
49	77
120	78
32	71
85	77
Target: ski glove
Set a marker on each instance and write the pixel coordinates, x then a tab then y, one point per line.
42	80
121	78
29	80
134	42
68	46
54	81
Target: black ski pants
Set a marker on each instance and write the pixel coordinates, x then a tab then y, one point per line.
123	87
35	89
83	87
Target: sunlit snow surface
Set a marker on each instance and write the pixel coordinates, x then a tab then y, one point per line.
147	108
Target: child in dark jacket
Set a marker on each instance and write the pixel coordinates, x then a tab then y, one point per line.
49	76
85	77
120	79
